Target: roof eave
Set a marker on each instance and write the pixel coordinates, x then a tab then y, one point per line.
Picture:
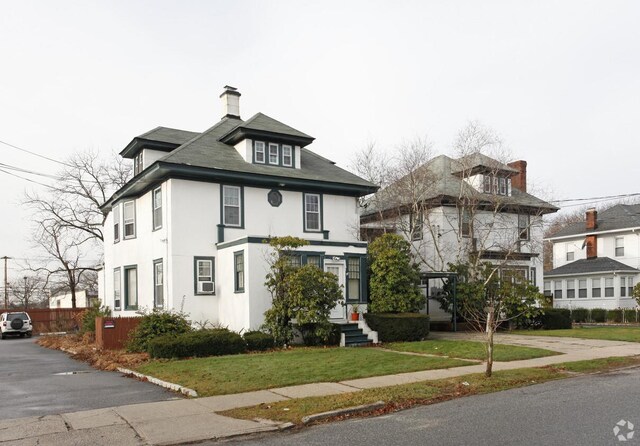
241	133
137	144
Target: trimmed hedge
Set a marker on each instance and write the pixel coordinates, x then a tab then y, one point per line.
258	341
630	315
598	315
199	343
308	332
580	315
614	316
556	318
394	327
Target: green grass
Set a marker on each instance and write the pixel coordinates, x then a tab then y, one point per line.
426	392
470	350
242	373
631	334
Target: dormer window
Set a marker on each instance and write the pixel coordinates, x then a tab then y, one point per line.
287	156
259	153
137	163
495	185
273	154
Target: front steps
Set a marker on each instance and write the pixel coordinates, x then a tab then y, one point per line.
353	335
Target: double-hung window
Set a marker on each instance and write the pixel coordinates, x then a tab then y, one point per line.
630	285
116	223
238	271
623	286
503	186
557	289
487	184
231	206
353	278
157	208
582	288
129	212
571	289
204	275
312	212
596	290
523	226
570	252
619	246
259	156
465	222
274	157
130	288
608	287
287	156
158	283
416	226
117	288
547	288
137	164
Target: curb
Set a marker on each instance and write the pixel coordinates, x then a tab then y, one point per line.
348	411
167	385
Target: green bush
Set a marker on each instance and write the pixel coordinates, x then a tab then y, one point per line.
556	318
598	315
199	343
393	327
614	316
88	321
311	337
630	315
580	315
258	341
155	324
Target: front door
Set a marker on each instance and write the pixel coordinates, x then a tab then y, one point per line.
337	268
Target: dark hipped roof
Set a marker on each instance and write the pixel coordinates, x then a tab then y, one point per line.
444	182
204	156
588	266
160	138
620	216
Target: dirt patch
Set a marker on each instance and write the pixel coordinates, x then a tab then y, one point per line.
83	348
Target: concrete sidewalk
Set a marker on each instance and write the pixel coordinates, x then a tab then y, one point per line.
192	420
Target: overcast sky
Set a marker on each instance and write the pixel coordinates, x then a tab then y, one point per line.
560	81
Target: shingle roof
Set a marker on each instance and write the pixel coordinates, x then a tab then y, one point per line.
593	265
166	134
440	176
620	216
263	122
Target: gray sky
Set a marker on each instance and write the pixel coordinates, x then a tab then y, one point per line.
560	81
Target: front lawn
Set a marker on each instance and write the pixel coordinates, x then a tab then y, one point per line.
631	334
243	373
471	350
426	392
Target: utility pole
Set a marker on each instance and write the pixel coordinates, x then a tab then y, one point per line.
6	284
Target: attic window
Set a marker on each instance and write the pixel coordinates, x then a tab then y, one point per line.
137	163
259	152
495	185
273	154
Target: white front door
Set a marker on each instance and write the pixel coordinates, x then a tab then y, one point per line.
337	268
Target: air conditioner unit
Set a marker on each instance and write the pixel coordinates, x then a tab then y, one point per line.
205	287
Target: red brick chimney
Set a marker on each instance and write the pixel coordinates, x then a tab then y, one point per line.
519	180
592	240
592	219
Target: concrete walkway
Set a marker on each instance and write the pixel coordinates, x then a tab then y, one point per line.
192	420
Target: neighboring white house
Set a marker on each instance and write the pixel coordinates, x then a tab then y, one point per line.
84	299
454	208
596	262
188	231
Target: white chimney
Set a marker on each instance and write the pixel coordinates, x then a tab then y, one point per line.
230	102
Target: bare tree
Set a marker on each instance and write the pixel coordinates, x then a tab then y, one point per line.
462	210
68	219
29	292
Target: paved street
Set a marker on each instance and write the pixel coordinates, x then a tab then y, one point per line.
577	411
31	383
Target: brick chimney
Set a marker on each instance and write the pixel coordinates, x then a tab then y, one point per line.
519	180
592	219
592	240
230	102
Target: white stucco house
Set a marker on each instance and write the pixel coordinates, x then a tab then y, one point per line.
452	208
596	263
188	231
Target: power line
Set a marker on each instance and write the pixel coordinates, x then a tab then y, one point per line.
603	198
27	179
34	153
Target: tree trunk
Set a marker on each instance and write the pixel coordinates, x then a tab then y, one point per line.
489	345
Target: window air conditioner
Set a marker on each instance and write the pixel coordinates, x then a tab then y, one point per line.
205	287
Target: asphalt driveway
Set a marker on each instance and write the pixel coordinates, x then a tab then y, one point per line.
38	381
